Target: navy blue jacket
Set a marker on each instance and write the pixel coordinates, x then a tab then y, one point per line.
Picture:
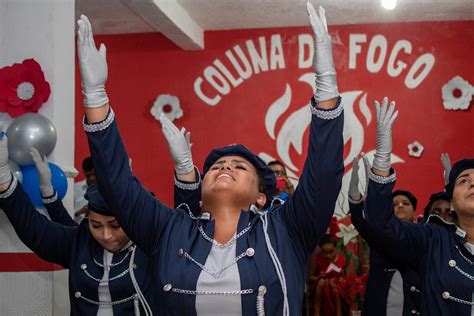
435	250
74	248
57	212
382	269
294	228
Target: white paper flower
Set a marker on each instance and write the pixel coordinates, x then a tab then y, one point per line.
169	105
347	233
415	149
453	102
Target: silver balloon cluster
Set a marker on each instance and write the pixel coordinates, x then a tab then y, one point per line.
26	131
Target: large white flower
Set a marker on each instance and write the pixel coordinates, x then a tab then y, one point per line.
169	105
452	102
347	233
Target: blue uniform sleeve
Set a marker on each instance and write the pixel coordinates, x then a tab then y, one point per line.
49	240
308	211
188	193
140	214
58	212
402	241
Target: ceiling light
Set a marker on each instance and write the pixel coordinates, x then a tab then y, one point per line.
389	4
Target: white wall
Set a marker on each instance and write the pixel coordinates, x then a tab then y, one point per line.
43	30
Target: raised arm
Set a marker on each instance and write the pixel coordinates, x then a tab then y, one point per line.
308	211
51	241
142	217
187	180
405	242
52	203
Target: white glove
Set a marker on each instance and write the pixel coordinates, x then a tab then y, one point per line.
93	66
383	147
446	161
326	81
44	173
367	169
354	181
5	173
179	145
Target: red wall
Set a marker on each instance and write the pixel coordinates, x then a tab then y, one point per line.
143	66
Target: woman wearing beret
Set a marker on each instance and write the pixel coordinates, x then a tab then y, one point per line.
108	274
234	259
442	252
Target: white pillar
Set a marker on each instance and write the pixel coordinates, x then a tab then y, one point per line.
43	30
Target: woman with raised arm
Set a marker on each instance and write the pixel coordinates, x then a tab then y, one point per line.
441	252
234	259
108	274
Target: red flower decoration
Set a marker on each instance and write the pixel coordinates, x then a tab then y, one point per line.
23	88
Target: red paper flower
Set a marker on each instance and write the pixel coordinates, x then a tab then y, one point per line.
23	88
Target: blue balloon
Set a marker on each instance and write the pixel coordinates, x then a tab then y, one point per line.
31	182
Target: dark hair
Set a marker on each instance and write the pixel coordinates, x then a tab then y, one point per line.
327	239
276	162
440	196
87	164
408	194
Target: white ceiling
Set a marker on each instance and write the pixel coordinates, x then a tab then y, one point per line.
188	19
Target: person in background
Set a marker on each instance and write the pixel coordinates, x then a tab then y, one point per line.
404	205
327	265
392	290
440	205
284	187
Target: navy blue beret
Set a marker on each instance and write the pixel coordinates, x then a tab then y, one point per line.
267	174
96	202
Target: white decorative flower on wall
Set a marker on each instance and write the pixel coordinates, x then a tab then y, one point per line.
457	94
415	149
169	105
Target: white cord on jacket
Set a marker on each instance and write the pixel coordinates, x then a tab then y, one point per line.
277	264
146	307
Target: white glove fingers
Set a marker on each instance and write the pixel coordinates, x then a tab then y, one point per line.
389	114
90	35
377	110
187	136
80	37
355	163
322	16
315	22
393	118
103	50
35	154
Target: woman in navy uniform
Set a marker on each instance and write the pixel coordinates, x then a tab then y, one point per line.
108	274
234	259
441	252
392	289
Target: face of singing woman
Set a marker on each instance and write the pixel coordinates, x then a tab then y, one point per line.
233	177
107	232
463	194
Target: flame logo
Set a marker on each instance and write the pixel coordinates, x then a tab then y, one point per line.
294	127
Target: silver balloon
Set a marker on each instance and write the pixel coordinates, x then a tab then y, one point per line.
30	130
15	170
